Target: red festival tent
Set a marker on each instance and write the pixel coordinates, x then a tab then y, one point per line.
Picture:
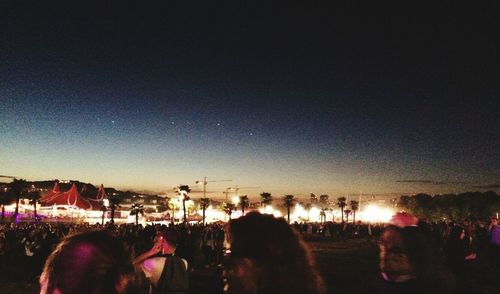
98	199
55	191
71	197
101	194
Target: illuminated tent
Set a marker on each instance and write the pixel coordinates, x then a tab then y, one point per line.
70	198
55	191
99	198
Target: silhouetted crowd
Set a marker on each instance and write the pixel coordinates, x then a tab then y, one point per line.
415	256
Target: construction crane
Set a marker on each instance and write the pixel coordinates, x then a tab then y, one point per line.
205	182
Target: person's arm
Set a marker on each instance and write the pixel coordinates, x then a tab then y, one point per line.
139	259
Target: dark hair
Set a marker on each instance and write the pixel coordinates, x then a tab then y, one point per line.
424	259
283	261
170	235
91	262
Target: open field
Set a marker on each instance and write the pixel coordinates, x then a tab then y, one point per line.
344	266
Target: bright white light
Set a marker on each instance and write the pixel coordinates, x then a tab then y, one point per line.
141	219
270	210
189	204
236	214
314	214
375	213
236	200
212	214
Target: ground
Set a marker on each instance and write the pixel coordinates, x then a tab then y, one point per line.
343	265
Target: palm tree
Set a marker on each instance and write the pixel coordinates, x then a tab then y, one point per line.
267	198
184	191
137	209
244	203
288	201
204	203
17	189
347	212
228	208
104	208
114	203
6	199
323	201
34	196
341	202
313	198
324	204
171	205
354	208
322	215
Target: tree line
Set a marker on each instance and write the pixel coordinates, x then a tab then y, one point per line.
469	205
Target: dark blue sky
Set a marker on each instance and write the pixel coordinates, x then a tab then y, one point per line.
292	99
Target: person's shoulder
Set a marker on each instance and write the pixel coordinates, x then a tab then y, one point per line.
186	265
181	260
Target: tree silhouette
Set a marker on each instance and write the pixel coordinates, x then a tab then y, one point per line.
114	203
341	202
347	212
171	206
243	203
323	199
34	196
468	205
421	204
404	202
324	203
184	193
288	202
354	208
104	208
267	198
313	198
6	199
229	208
137	209
204	203
17	189
322	215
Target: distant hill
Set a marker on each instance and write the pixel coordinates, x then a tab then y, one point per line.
85	189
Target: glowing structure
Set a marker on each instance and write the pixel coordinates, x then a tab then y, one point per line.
268	209
375	213
72	199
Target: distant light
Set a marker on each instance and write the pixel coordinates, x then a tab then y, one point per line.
235	200
375	213
270	210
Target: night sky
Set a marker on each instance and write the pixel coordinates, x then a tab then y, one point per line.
289	98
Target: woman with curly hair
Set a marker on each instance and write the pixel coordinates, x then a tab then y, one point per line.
91	263
268	256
